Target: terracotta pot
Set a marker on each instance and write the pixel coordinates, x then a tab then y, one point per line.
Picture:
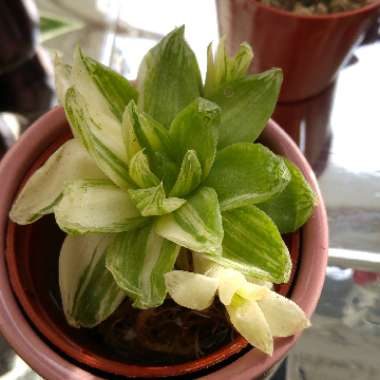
309	49
307	122
57	351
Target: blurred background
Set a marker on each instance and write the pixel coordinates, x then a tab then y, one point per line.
338	129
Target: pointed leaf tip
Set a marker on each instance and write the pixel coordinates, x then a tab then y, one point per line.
168	78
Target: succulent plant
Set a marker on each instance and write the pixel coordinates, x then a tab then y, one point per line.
168	164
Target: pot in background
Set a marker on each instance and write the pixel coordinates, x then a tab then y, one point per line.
28	279
310	49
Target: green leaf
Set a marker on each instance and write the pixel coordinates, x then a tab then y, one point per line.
253	245
196	128
138	261
153	201
88	291
247	104
165	169
44	188
168	78
294	205
225	69
101	85
102	138
197	225
141	131
54	26
96	206
62	78
247	173
189	176
140	172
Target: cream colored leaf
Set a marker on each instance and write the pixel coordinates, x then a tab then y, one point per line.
284	317
192	290
248	319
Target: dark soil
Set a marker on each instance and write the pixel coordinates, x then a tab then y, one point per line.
317	7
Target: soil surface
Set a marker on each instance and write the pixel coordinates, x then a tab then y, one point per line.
317	7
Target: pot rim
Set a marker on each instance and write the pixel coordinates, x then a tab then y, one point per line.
16	328
313	17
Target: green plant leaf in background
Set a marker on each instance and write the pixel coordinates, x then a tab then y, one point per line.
52	26
197	225
196	128
225	69
138	262
44	188
247	173
169	78
189	176
88	291
101	141
153	201
96	206
247	105
291	208
253	245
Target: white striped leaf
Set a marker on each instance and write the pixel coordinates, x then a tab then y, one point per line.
138	261
223	68
96	206
153	201
249	320
196	128
247	104
253	245
44	188
97	100
140	172
189	176
88	291
197	225
169	78
291	208
101	121
62	78
247	173
192	290
101	135
113	87
106	91
141	130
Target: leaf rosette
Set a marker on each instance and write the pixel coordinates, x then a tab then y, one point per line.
171	164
